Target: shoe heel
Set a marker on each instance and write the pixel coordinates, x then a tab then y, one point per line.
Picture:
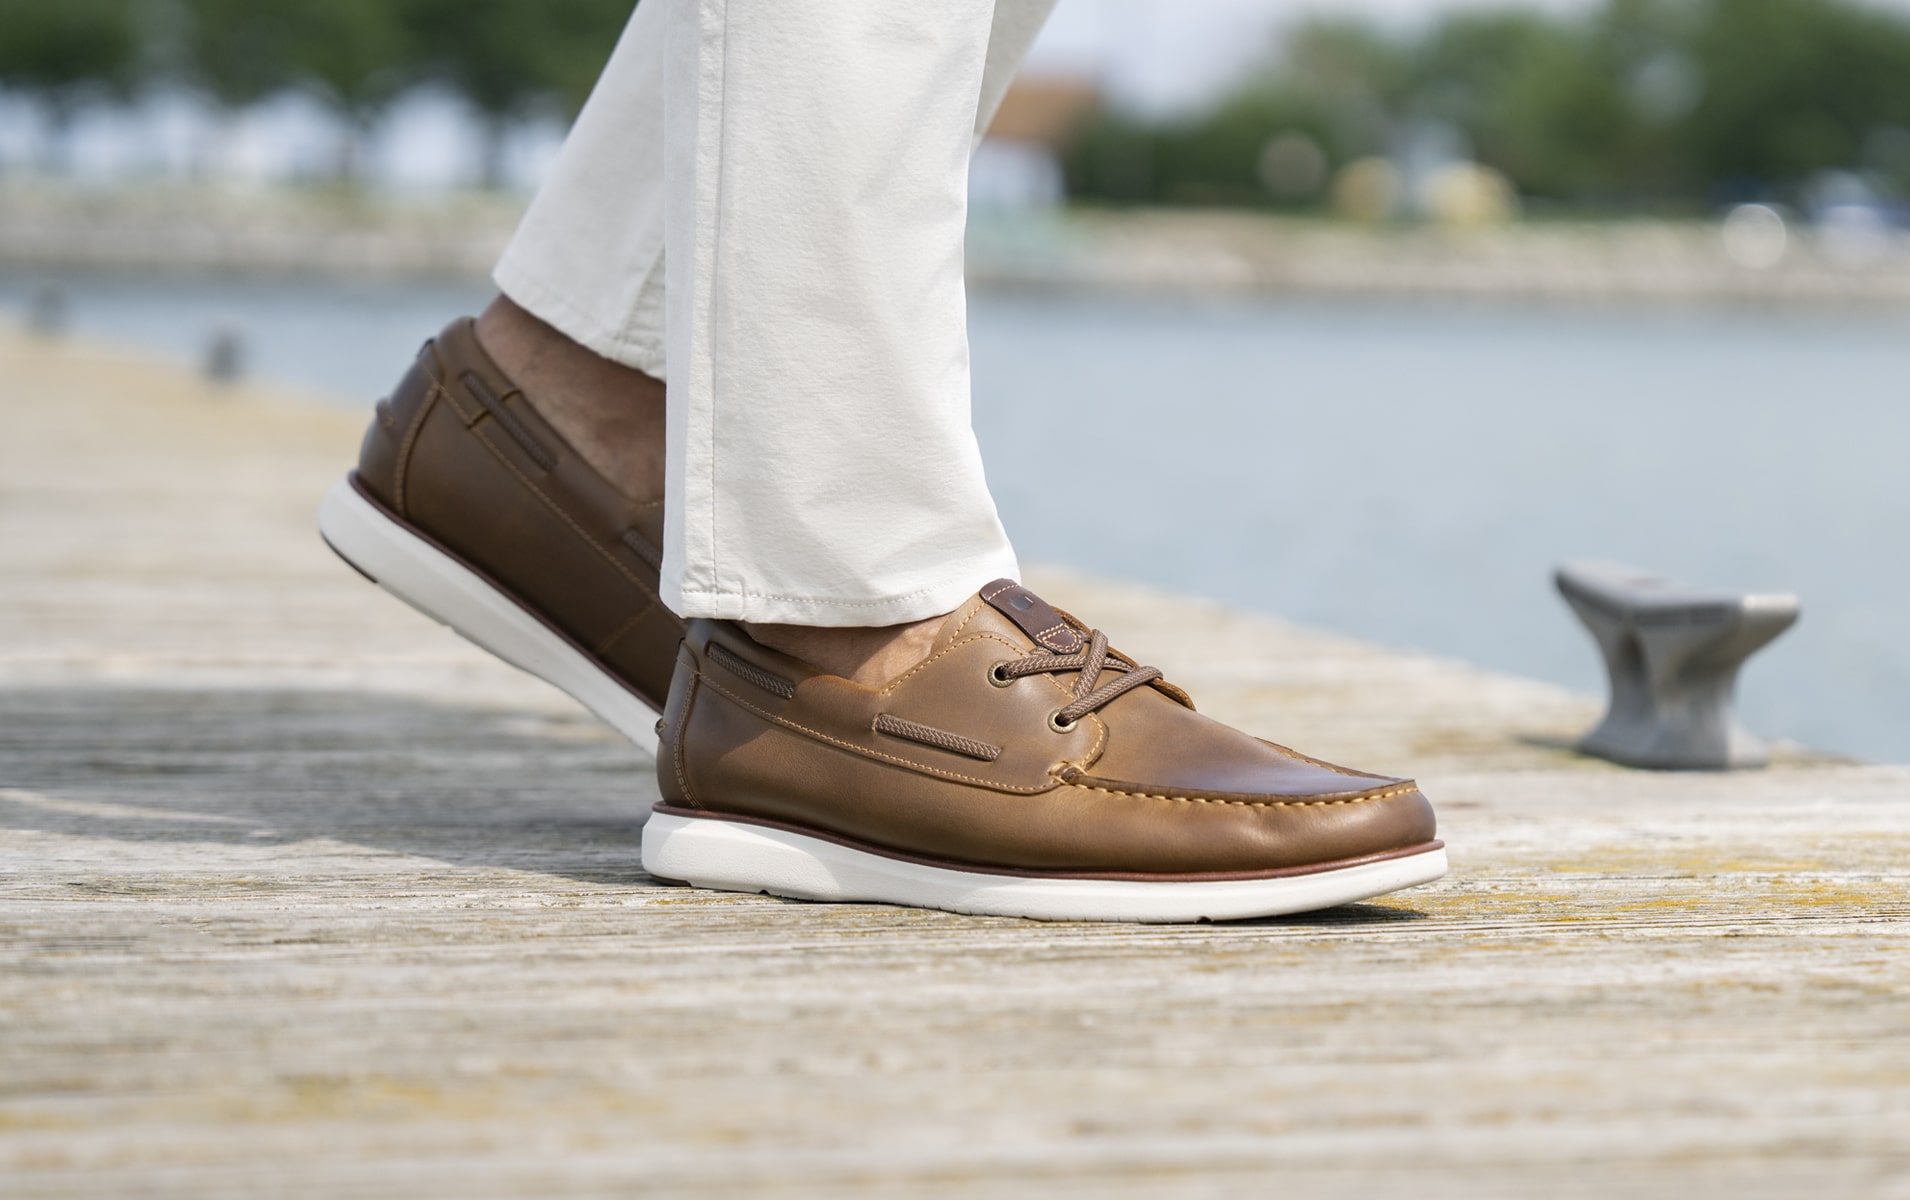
451	594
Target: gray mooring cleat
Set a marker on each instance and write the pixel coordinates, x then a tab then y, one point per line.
1673	653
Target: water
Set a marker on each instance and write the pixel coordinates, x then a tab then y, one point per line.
1405	473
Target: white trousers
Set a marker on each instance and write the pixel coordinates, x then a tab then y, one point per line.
764	202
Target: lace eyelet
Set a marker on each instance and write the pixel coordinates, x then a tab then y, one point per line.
1058	725
1000	678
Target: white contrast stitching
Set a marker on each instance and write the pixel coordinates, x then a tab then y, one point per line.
1385	795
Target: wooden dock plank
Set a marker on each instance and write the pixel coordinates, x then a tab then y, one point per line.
302	895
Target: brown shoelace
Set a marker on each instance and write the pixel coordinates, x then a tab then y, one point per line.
1089	692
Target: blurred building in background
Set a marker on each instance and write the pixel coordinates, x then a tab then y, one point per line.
1020	162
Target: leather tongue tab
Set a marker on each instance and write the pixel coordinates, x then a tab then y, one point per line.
1033	615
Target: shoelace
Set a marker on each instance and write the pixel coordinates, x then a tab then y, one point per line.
1089	693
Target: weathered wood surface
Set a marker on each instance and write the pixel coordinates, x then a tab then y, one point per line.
300	895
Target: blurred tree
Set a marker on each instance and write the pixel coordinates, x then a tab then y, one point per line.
1333	84
1346	65
1644	47
236	50
1658	103
62	52
1533	97
1112	160
356	53
1792	87
1655	103
509	56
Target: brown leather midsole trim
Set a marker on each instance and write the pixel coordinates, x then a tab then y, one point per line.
1037	873
656	706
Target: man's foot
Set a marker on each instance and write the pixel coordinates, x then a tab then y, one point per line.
1020	768
471	506
612	415
870	655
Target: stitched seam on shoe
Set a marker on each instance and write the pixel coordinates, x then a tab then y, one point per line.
603	647
498	453
954	646
1382	795
969	616
865	752
682	727
1101	738
403	466
943	653
1062	627
579	530
507	420
749	672
1100	726
966	618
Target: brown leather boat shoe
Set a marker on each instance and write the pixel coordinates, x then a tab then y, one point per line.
469	507
1022	769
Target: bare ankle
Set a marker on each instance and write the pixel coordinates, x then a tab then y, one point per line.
868	655
612	414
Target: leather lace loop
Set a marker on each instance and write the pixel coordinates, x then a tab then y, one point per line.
1092	662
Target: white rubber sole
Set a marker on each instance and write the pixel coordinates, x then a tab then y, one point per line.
735	856
453	595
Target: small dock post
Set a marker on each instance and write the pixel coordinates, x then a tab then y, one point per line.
1673	654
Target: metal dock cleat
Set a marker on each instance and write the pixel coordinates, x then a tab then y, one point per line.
1673	653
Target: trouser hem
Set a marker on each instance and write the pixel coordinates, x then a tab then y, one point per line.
902	605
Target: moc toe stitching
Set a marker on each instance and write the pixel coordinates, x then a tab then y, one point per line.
1254	802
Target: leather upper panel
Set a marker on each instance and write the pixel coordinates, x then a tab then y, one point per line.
754	733
460	454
